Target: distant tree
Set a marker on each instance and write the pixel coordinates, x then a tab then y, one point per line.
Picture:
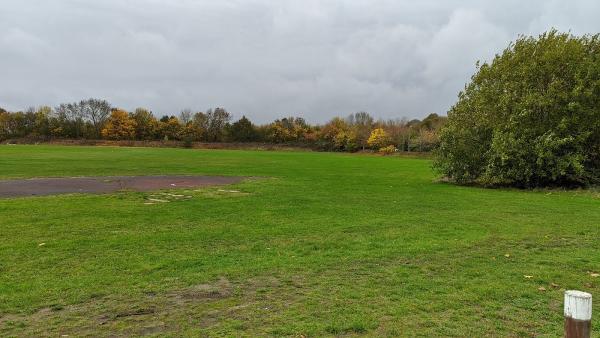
362	123
190	133
185	116
194	129
288	129
243	131
61	125
378	139
278	132
529	118
119	126
398	131
216	121
416	123
20	124
4	125
414	135
171	129
29	123
41	126
337	135
426	140
345	140
200	120
146	125
96	111
433	122
79	114
198	126
68	121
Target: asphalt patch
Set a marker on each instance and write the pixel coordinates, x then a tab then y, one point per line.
106	184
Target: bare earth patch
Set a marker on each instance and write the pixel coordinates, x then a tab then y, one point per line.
201	306
107	184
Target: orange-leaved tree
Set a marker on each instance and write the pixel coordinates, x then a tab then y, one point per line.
120	126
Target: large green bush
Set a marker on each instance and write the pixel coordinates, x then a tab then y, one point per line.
530	118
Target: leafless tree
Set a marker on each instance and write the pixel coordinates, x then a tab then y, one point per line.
185	116
96	111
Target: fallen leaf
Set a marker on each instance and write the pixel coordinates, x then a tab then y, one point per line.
554	285
507	255
595	274
41	244
541	288
527	276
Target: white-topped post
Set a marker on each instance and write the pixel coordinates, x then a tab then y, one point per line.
578	314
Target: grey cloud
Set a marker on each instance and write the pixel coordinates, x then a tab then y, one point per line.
265	59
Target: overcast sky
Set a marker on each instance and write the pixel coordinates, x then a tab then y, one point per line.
264	58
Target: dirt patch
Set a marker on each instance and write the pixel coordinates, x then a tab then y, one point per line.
202	292
208	306
108	184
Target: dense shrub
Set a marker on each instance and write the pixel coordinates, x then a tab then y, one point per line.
388	150
530	118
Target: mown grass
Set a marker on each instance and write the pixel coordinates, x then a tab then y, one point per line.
316	244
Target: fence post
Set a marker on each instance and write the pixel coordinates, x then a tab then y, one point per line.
578	314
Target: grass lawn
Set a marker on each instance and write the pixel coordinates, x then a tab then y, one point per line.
315	244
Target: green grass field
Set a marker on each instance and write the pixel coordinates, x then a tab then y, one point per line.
315	244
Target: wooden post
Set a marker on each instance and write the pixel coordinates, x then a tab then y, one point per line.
578	314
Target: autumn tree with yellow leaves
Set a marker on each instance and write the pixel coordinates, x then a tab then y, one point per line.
378	139
119	126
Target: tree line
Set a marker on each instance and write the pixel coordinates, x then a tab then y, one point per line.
97	119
